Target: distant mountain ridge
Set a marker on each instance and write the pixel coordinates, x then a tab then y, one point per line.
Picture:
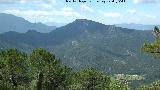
10	22
136	26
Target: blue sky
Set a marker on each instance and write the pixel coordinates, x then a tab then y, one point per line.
59	11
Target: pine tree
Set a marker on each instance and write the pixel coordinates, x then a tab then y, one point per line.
13	69
154	47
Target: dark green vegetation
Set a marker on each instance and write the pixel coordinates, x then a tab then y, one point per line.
40	70
85	43
152	86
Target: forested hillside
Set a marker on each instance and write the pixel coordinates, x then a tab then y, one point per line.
84	43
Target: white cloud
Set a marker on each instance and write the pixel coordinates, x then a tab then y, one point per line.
131	11
7	1
145	1
112	14
150	16
65	9
53	2
14	1
45	6
32	4
85	8
41	14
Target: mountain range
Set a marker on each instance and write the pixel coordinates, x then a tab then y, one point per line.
10	22
136	26
86	43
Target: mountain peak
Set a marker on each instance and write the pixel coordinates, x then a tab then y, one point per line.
32	31
82	20
86	22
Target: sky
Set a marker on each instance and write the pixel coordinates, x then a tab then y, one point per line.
60	11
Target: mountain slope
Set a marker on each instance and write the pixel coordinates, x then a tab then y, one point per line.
85	43
10	22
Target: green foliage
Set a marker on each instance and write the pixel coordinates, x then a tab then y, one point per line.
42	71
156	32
153	86
41	59
13	69
91	79
154	47
50	75
57	78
